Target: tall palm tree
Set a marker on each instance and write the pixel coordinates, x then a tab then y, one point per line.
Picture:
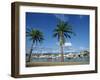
36	37
62	31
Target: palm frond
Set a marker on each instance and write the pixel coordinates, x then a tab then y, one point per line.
35	35
65	29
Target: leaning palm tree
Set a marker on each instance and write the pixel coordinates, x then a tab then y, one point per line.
36	37
62	31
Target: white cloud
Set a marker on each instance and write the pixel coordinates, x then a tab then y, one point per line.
62	17
81	48
67	44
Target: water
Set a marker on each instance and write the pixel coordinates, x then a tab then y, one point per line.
83	59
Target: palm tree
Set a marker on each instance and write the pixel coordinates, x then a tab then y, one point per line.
62	31
36	37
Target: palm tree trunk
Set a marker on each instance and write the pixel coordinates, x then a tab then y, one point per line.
30	53
62	55
61	46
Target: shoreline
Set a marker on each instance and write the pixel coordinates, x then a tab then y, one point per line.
37	64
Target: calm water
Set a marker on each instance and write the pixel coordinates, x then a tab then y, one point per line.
83	59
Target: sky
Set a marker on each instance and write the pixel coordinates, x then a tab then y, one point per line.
47	22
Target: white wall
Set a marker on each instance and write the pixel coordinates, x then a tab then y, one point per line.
5	37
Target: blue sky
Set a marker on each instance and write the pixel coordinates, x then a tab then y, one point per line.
46	23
